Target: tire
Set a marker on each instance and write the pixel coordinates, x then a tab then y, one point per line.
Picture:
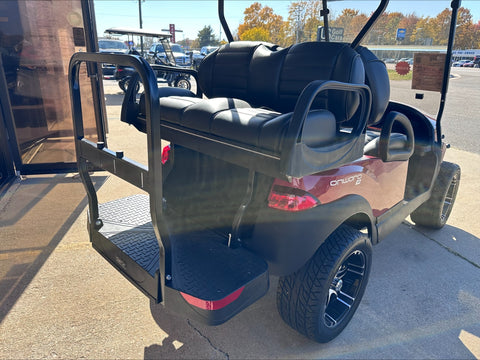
183	83
320	299
125	83
435	212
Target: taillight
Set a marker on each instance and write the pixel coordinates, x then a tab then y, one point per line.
165	154
291	199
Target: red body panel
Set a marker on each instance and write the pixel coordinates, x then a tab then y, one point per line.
382	184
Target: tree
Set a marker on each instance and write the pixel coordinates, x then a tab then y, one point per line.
255	34
466	37
441	27
409	23
265	21
394	19
206	37
344	21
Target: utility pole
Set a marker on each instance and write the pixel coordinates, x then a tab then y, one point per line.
141	24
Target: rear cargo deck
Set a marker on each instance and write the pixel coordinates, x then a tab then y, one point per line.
208	274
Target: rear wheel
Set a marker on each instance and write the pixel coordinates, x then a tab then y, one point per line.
320	299
435	211
125	83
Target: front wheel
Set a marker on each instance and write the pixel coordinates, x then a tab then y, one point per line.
320	299
183	83
435	211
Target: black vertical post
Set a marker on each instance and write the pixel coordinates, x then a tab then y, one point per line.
141	24
446	73
221	16
7	171
91	42
325	13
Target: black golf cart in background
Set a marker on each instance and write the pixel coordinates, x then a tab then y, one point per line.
123	74
285	161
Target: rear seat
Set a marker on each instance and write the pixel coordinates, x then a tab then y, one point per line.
250	93
252	89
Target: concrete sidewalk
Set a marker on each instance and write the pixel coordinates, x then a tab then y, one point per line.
60	299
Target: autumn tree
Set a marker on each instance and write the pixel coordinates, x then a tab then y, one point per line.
466	37
441	27
409	23
261	20
256	34
344	21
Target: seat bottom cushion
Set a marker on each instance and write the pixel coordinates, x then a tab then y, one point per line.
397	141
266	129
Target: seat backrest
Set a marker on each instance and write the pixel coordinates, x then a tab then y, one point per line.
266	75
377	79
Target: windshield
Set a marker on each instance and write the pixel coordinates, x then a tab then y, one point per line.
174	47
112	44
177	48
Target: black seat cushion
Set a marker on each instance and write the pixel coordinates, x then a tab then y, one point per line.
173	107
397	142
266	129
164	92
199	116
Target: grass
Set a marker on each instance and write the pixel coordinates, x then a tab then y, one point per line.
393	75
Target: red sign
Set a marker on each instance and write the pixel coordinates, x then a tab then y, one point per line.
172	32
402	68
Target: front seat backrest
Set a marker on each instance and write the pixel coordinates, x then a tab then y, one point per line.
377	79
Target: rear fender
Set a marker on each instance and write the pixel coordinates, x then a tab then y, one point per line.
287	240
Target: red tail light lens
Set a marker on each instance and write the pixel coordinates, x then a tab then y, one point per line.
165	154
291	199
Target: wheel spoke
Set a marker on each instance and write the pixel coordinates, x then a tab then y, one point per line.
347	296
449	198
344	302
330	319
343	290
355	271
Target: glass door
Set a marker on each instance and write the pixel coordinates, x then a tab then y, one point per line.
37	39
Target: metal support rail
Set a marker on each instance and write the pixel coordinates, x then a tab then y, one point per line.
146	178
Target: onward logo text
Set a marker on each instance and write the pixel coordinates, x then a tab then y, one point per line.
356	179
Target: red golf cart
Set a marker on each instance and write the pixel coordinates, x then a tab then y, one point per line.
287	161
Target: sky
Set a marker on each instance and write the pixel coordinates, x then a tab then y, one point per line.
191	16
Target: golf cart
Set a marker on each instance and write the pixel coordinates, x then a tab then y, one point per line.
287	161
166	57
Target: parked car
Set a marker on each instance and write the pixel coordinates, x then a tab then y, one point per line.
469	64
204	51
476	62
112	47
389	61
156	54
459	63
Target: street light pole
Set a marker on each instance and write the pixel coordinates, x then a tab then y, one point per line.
141	24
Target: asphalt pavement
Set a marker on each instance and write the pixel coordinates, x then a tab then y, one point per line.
61	299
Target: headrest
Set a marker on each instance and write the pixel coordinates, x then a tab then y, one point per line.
377	79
